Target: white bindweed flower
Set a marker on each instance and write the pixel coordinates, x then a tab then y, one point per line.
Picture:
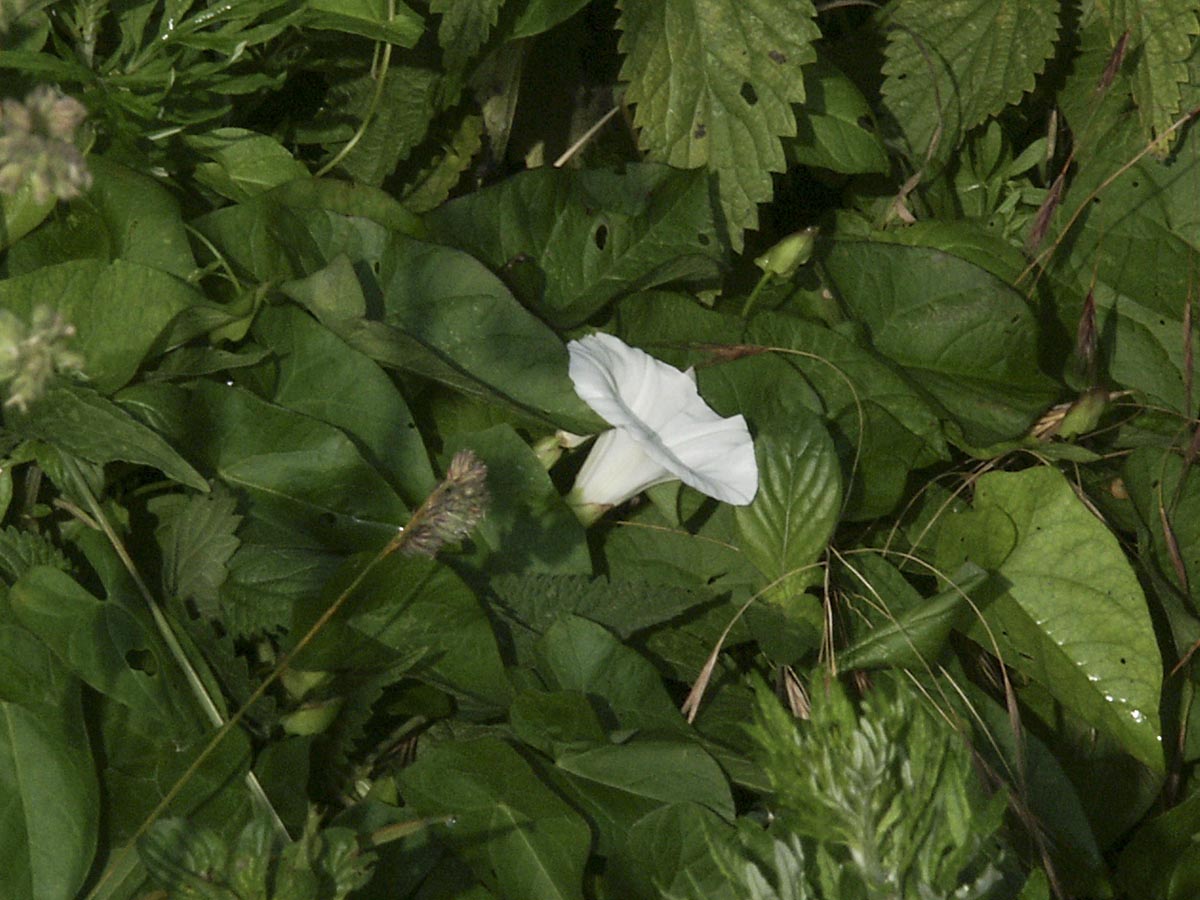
662	431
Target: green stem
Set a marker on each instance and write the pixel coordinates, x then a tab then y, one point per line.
749	304
169	797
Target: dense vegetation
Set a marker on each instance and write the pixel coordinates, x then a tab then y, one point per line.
313	586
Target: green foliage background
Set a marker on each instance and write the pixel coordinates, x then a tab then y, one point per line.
322	246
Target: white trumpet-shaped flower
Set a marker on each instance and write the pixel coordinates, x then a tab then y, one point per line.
662	431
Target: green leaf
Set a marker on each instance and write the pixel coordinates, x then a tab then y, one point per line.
831	134
305	482
961	334
528	527
50	815
625	606
105	645
577	655
448	318
84	424
196	535
119	310
1162	859
659	770
916	637
1158	480
507	823
712	84
401	118
1161	38
244	163
405	607
320	376
594	235
463	30
297	228
390	21
21	551
785	528
953	63
1074	618
672	852
433	184
538	16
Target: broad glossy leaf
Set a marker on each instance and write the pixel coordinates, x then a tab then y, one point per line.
243	163
785	528
1159	480
1074	618
297	228
830	134
305	482
104	644
119	310
671	852
594	235
528	526
577	655
448	318
953	63
393	21
49	819
625	606
320	376
916	637
408	606
658	770
960	333
125	216
84	424
507	822
713	85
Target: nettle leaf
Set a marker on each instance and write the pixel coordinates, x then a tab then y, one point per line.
508	824
432	185
953	63
1074	617
1161	35
196	535
84	424
788	523
50	815
594	235
21	550
398	124
464	28
712	82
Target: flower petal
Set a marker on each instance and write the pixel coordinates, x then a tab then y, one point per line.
660	408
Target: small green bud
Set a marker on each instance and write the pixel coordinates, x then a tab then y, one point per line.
1084	414
790	254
